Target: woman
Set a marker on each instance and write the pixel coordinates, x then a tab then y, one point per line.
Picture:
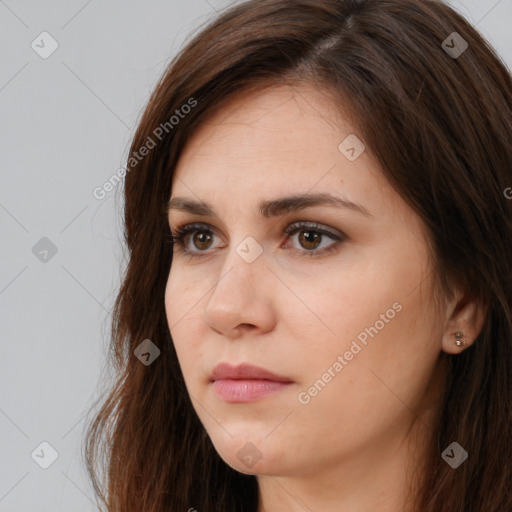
372	137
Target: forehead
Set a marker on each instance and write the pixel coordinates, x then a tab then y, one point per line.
278	134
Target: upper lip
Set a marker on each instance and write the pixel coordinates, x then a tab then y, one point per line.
244	371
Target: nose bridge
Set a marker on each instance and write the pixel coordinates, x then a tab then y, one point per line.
240	295
244	262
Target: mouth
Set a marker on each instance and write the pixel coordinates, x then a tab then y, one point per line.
245	382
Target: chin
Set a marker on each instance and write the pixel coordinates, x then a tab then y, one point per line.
251	454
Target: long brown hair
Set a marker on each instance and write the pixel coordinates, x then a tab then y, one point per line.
437	116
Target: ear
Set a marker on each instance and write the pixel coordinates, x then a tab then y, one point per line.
463	316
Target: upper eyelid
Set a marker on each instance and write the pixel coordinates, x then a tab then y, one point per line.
198	226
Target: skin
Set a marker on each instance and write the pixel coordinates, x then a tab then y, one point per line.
355	444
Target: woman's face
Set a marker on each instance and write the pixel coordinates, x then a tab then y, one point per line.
340	306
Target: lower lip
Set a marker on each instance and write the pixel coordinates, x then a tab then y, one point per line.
240	391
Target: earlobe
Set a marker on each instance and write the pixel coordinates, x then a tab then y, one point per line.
456	342
464	324
459	341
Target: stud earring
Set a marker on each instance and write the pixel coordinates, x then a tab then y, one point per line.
459	342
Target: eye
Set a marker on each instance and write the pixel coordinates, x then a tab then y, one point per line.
200	235
311	237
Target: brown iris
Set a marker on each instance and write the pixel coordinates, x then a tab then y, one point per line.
309	239
200	238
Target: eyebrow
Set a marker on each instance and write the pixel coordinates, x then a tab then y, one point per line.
273	207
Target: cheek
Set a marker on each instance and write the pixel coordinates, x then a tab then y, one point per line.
184	317
183	293
379	320
376	393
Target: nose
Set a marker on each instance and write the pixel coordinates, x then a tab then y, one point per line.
241	301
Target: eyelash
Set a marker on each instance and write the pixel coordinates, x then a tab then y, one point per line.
183	231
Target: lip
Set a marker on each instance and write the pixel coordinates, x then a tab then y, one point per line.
245	382
245	371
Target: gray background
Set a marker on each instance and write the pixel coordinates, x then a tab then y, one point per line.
66	124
